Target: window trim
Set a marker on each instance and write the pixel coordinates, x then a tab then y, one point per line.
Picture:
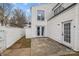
41	18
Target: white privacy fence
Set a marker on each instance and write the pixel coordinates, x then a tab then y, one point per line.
28	32
9	35
2	38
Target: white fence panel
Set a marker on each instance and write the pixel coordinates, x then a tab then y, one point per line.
28	32
10	36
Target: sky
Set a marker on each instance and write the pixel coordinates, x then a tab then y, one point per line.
26	7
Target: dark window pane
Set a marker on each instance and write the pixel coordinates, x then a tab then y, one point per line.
42	31
40	14
67	35
38	31
38	17
42	17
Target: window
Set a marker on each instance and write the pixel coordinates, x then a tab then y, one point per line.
40	31
67	33
40	15
58	10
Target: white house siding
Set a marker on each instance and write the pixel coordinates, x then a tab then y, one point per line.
35	22
54	26
77	29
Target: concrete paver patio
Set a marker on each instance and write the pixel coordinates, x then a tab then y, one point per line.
48	47
38	47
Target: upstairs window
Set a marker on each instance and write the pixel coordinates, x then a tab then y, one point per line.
58	9
40	15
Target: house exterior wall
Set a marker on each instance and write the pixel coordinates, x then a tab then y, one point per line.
77	29
54	26
36	23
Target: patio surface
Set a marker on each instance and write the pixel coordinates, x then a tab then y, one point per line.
38	47
48	47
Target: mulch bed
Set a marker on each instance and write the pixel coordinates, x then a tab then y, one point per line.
21	43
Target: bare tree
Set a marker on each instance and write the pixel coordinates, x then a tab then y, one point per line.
5	9
19	18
